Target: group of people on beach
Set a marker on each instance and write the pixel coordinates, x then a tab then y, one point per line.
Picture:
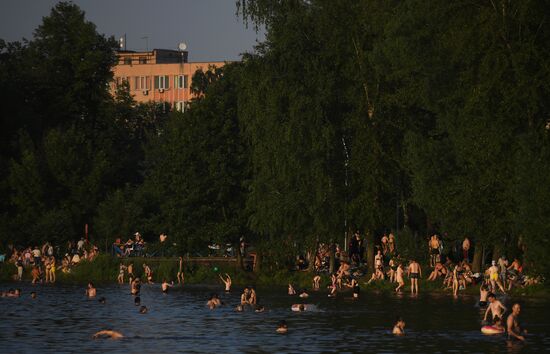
45	261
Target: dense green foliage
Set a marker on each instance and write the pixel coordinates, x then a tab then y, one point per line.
416	116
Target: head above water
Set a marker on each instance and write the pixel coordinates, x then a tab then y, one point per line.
143	309
137	301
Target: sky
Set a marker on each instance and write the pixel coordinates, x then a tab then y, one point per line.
210	28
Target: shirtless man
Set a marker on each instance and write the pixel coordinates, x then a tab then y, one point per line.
226	281
180	276
414	273
514	330
165	285
91	291
495	306
399	327
483	293
213	302
434	250
108	334
399	277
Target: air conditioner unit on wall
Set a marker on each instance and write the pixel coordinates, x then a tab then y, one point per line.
145	92
161	90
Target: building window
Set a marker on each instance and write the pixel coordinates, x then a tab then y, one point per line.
162	82
128	60
141	83
180	106
143	60
180	81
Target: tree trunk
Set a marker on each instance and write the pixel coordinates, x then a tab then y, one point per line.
369	239
257	262
332	257
239	264
478	254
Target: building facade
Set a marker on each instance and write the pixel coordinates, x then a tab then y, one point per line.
160	75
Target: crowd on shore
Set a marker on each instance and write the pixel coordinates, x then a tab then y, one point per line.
45	261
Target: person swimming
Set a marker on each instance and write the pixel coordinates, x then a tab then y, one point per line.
91	291
213	302
33	295
260	308
143	310
239	308
165	285
303	294
108	334
282	327
226	281
101	300
135	286
399	327
137	301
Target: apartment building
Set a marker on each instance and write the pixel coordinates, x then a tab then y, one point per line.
160	75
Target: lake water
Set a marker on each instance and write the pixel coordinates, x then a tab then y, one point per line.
63	320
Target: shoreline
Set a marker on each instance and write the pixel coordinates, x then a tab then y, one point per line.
104	270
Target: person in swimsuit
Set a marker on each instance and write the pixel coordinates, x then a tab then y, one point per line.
121	269
135	287
52	269
244	297
316	282
180	276
226	281
47	272
252	299
495	306
433	245
399	327
414	273
131	276
514	330
483	293
458	279
165	285
108	334
91	291
148	273
494	278
213	302
399	278
354	285
291	290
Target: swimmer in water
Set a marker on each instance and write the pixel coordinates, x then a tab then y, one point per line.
33	295
91	291
137	301
399	327
239	308
226	281
135	286
143	310
260	308
495	306
514	329
101	300
252	299
303	294
165	285
108	334
282	328
213	302
291	290
244	297
180	276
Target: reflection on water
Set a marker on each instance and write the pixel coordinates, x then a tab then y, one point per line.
62	320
